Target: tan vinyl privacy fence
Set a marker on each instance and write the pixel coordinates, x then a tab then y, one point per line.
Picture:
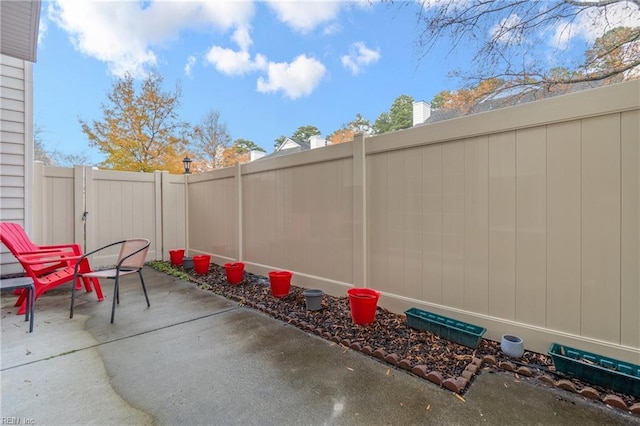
97	207
524	220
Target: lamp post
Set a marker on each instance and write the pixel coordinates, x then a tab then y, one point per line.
188	260
187	165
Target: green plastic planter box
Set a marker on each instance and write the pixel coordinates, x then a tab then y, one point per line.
595	369
447	328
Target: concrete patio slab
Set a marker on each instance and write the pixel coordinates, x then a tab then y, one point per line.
197	358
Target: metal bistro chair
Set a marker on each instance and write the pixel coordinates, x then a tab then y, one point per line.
133	253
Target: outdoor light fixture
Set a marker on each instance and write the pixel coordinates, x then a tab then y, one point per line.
187	165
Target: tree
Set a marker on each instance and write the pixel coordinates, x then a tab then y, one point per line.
439	101
54	158
210	139
303	133
231	156
465	99
239	152
279	141
360	124
245	145
347	132
67	160
508	38
610	52
140	131
39	151
399	117
382	124
342	135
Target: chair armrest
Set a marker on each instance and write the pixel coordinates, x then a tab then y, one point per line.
103	247
51	250
80	258
48	257
75	247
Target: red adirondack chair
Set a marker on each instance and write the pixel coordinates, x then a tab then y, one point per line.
48	266
17	241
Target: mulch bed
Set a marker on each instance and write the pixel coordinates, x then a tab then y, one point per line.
390	340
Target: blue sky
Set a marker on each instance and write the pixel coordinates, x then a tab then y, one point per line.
267	67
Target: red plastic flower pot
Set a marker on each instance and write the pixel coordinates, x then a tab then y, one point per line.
201	263
235	271
280	283
363	303
176	256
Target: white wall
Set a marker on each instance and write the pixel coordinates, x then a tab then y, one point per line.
16	148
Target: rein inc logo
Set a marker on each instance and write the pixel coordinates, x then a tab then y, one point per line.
18	421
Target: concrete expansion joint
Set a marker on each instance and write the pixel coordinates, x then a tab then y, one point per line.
213	314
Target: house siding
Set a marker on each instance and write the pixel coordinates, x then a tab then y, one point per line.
16	149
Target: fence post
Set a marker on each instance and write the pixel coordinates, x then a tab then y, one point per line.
79	206
186	213
360	265
238	177
88	206
161	187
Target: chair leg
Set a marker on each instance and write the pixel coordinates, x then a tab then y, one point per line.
144	288
40	290
84	268
32	306
73	295
116	299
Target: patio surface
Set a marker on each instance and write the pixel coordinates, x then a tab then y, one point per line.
197	358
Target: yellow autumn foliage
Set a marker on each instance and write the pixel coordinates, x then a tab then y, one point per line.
140	131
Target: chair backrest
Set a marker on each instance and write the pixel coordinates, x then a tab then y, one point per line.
133	253
17	241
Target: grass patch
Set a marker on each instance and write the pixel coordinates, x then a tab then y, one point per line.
167	268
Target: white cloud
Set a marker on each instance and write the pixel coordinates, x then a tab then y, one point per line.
128	36
304	16
125	35
242	38
223	14
232	62
331	29
42	31
563	33
296	79
359	56
191	60
594	23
